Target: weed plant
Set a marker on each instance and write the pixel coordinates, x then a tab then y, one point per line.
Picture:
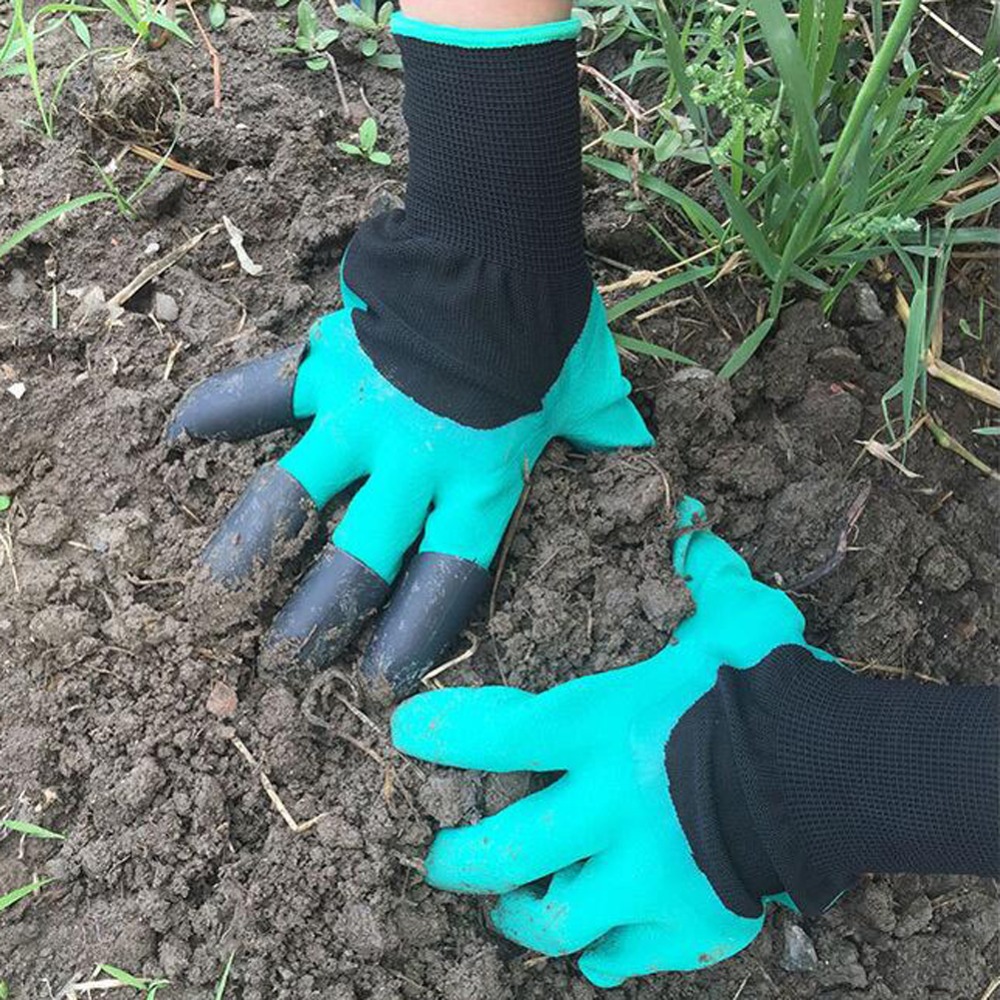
18	56
365	146
311	41
141	16
372	19
825	155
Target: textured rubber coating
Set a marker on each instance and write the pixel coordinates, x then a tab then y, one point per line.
272	510
434	601
250	399
323	614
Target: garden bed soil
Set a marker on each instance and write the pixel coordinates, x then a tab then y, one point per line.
174	856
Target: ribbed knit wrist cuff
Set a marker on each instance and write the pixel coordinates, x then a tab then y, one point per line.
797	775
478	291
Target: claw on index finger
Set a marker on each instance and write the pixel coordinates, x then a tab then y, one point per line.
273	509
243	402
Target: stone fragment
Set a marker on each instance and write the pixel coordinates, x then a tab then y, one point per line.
165	307
163	196
799	954
942	568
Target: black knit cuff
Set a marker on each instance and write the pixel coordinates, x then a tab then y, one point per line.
811	775
495	151
478	291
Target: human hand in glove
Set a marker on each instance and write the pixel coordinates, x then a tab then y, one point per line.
735	767
625	887
470	335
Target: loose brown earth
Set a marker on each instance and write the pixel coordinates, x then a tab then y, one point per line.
174	856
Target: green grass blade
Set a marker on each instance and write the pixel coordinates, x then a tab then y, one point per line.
220	987
747	227
162	21
16	895
125	977
123	14
25	30
974	205
700	218
746	350
831	29
787	56
654	291
50	215
30	830
637	346
877	23
991	45
860	182
674	53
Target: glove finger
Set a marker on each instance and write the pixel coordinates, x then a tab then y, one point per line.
326	610
383	520
243	402
616	425
582	903
491	728
756	617
432	604
324	461
642	949
470	515
528	840
271	512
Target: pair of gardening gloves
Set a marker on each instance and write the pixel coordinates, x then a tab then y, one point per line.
470	336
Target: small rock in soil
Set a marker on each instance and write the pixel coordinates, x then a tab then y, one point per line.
222	700
447	798
656	601
916	916
840	965
335	831
59	624
136	790
876	907
163	196
858	305
48	528
501	790
360	929
799	954
165	307
839	364
19	287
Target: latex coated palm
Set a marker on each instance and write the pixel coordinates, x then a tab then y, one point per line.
624	885
425	477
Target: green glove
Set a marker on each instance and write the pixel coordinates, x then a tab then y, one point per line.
471	334
625	887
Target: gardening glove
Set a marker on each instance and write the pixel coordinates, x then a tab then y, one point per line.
624	884
737	767
470	335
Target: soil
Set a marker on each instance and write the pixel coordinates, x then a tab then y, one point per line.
122	692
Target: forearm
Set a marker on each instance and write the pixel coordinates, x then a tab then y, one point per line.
839	775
